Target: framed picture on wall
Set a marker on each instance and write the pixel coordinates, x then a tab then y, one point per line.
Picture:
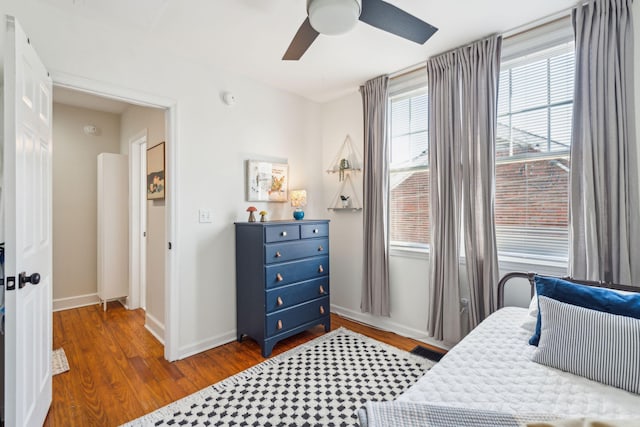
267	181
155	172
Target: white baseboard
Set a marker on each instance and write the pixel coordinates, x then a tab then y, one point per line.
386	324
75	302
367	319
206	344
155	327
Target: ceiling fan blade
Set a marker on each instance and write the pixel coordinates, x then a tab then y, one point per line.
301	42
389	18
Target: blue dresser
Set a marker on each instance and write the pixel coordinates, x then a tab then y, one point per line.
282	279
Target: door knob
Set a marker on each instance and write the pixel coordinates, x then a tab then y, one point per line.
23	279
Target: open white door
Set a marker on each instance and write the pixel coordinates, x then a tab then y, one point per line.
27	190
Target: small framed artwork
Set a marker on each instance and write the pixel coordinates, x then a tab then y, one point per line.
267	181
155	172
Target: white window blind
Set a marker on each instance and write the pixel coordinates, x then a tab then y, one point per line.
535	104
409	173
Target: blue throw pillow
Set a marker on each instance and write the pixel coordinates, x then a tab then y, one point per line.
599	299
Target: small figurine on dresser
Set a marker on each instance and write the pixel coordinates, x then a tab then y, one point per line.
251	210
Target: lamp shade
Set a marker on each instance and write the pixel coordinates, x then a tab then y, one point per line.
298	198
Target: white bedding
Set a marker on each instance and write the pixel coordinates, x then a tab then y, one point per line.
491	369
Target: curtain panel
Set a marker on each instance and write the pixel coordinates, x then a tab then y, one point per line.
604	200
446	182
375	277
479	74
463	92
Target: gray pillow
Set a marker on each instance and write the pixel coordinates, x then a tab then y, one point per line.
600	346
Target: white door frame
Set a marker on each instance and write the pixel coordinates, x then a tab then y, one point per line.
137	221
171	284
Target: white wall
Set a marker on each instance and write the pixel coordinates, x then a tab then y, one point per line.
408	274
75	168
214	140
133	120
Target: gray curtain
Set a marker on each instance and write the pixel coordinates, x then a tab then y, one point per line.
446	197
463	90
604	205
480	70
375	277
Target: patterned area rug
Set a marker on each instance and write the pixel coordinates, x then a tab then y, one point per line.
59	363
321	383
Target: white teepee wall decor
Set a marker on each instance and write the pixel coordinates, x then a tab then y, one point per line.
346	160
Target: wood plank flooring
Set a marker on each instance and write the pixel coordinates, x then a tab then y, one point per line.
118	371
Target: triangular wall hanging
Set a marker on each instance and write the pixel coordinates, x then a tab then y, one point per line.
346	160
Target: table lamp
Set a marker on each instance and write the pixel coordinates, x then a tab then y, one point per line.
298	201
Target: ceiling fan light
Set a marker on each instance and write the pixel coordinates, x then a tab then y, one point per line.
333	17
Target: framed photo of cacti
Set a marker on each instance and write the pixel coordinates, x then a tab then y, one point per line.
267	181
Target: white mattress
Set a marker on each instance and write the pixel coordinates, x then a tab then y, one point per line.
491	369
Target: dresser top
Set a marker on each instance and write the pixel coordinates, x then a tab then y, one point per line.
284	221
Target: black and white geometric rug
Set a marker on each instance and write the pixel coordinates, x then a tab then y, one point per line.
321	383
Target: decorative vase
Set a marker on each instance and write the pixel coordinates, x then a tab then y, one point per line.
345	203
252	217
344	165
298	214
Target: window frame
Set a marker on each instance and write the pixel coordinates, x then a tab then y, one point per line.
561	43
406	92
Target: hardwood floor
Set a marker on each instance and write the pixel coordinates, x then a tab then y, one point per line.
118	371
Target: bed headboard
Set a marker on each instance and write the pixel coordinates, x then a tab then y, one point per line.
531	276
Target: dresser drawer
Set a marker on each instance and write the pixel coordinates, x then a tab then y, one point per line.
314	230
282	321
296	271
287	296
287	251
282	233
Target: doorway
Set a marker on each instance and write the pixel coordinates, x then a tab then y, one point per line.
142	245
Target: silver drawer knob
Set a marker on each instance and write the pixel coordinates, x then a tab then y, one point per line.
316	231
278	254
320	249
283	234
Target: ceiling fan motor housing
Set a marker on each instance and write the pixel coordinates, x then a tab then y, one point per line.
333	17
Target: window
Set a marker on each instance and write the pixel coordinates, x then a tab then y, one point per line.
408	169
533	139
532	154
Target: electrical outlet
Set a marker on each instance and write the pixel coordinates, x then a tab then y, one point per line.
204	216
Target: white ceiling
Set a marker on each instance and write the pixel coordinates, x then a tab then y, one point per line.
250	36
75	98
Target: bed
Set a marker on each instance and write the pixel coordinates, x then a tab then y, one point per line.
491	370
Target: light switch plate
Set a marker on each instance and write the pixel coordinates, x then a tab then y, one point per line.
204	216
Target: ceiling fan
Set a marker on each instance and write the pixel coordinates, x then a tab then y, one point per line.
333	17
